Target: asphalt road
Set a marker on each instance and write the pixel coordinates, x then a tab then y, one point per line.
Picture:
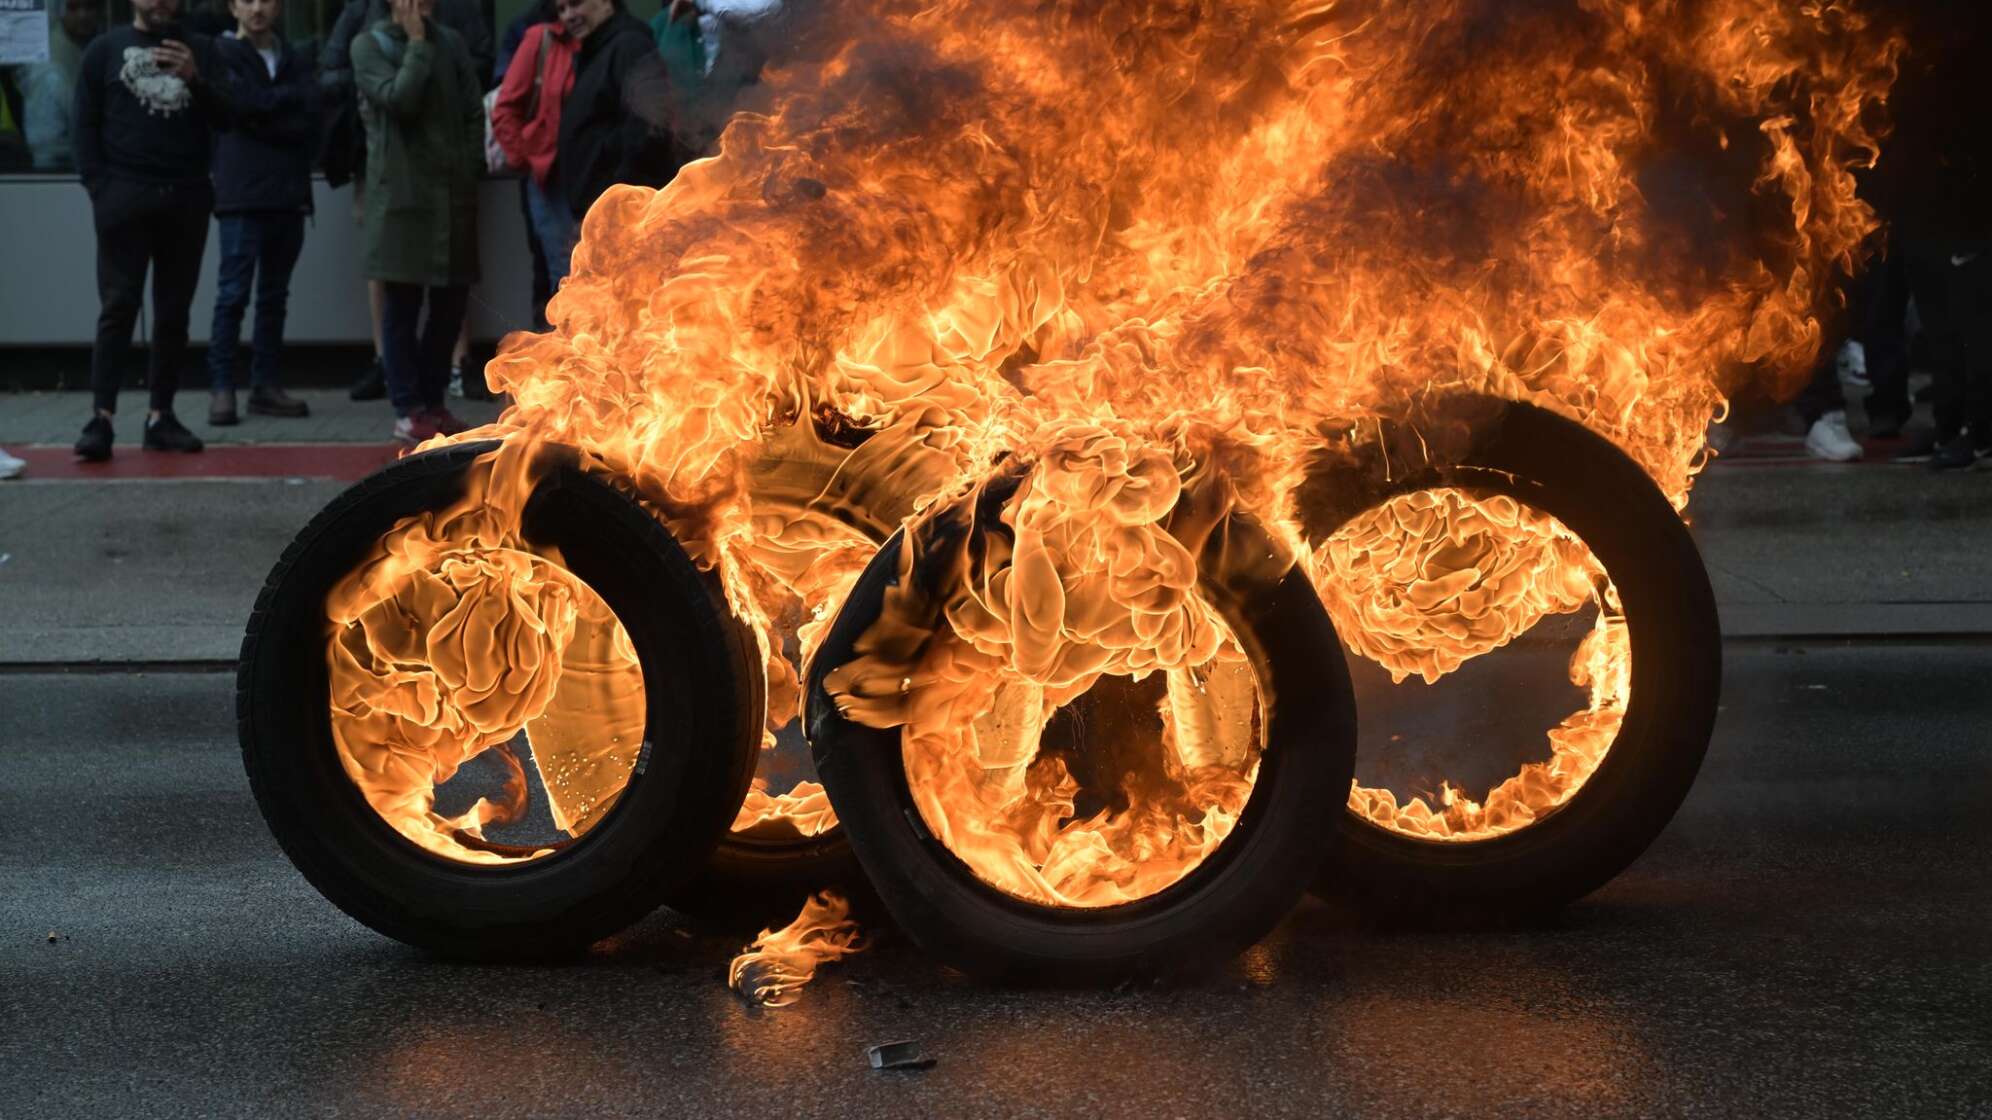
1808	938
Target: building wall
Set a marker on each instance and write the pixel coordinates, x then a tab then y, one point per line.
48	268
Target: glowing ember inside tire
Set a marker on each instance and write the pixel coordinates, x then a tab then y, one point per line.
1436	579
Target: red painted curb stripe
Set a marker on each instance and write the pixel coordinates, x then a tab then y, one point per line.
343	462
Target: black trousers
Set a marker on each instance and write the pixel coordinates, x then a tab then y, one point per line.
140	226
1954	301
415	354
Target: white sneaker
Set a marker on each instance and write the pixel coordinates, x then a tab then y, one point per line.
11	467
1829	440
1851	364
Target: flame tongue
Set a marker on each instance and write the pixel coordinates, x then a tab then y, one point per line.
1168	260
773	970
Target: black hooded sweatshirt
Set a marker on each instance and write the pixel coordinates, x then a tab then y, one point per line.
615	126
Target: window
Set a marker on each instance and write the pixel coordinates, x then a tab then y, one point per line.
36	97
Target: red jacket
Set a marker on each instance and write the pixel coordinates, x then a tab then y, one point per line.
526	117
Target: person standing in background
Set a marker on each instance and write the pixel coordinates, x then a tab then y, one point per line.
422	99
615	126
262	192
143	110
538	13
48	85
335	79
525	119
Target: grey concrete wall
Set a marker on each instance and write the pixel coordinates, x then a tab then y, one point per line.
48	285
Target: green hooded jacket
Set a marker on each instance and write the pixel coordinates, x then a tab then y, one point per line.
423	108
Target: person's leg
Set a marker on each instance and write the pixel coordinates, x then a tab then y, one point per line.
400	311
377	307
439	337
1822	394
124	248
231	297
280	240
1882	336
1928	270
1974	305
542	286
459	354
179	242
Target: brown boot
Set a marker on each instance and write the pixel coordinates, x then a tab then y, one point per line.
221	410
272	401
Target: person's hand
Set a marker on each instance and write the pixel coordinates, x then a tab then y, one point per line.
408	16
177	59
681	10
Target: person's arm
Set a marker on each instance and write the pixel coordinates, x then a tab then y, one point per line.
215	85
335	61
285	113
397	89
470	81
508	113
87	116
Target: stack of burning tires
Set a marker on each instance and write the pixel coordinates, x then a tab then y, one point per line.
490	706
1081	476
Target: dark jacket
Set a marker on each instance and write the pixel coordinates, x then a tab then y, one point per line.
616	124
133	121
262	160
424	109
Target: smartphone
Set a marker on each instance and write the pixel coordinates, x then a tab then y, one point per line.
170	30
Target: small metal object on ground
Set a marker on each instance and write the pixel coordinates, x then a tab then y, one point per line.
897	1055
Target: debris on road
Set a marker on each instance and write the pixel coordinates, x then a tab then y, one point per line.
897	1055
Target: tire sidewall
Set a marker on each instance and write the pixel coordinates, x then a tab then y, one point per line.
697	753
1239	893
1561	468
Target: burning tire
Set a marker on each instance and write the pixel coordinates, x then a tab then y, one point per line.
333	683
786	843
1652	661
1229	897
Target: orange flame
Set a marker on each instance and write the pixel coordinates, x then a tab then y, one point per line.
1163	256
773	970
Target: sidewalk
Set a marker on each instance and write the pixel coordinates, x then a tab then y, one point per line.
341	439
158	558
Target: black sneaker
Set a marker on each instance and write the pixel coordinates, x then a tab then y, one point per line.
372	385
1960	453
168	434
94	445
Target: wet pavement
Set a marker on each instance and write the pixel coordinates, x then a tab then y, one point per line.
1807	939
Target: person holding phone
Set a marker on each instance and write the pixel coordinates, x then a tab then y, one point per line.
143	114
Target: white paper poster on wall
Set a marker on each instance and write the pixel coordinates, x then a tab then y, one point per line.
23	31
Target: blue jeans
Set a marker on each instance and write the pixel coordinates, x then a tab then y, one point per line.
557	228
262	248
